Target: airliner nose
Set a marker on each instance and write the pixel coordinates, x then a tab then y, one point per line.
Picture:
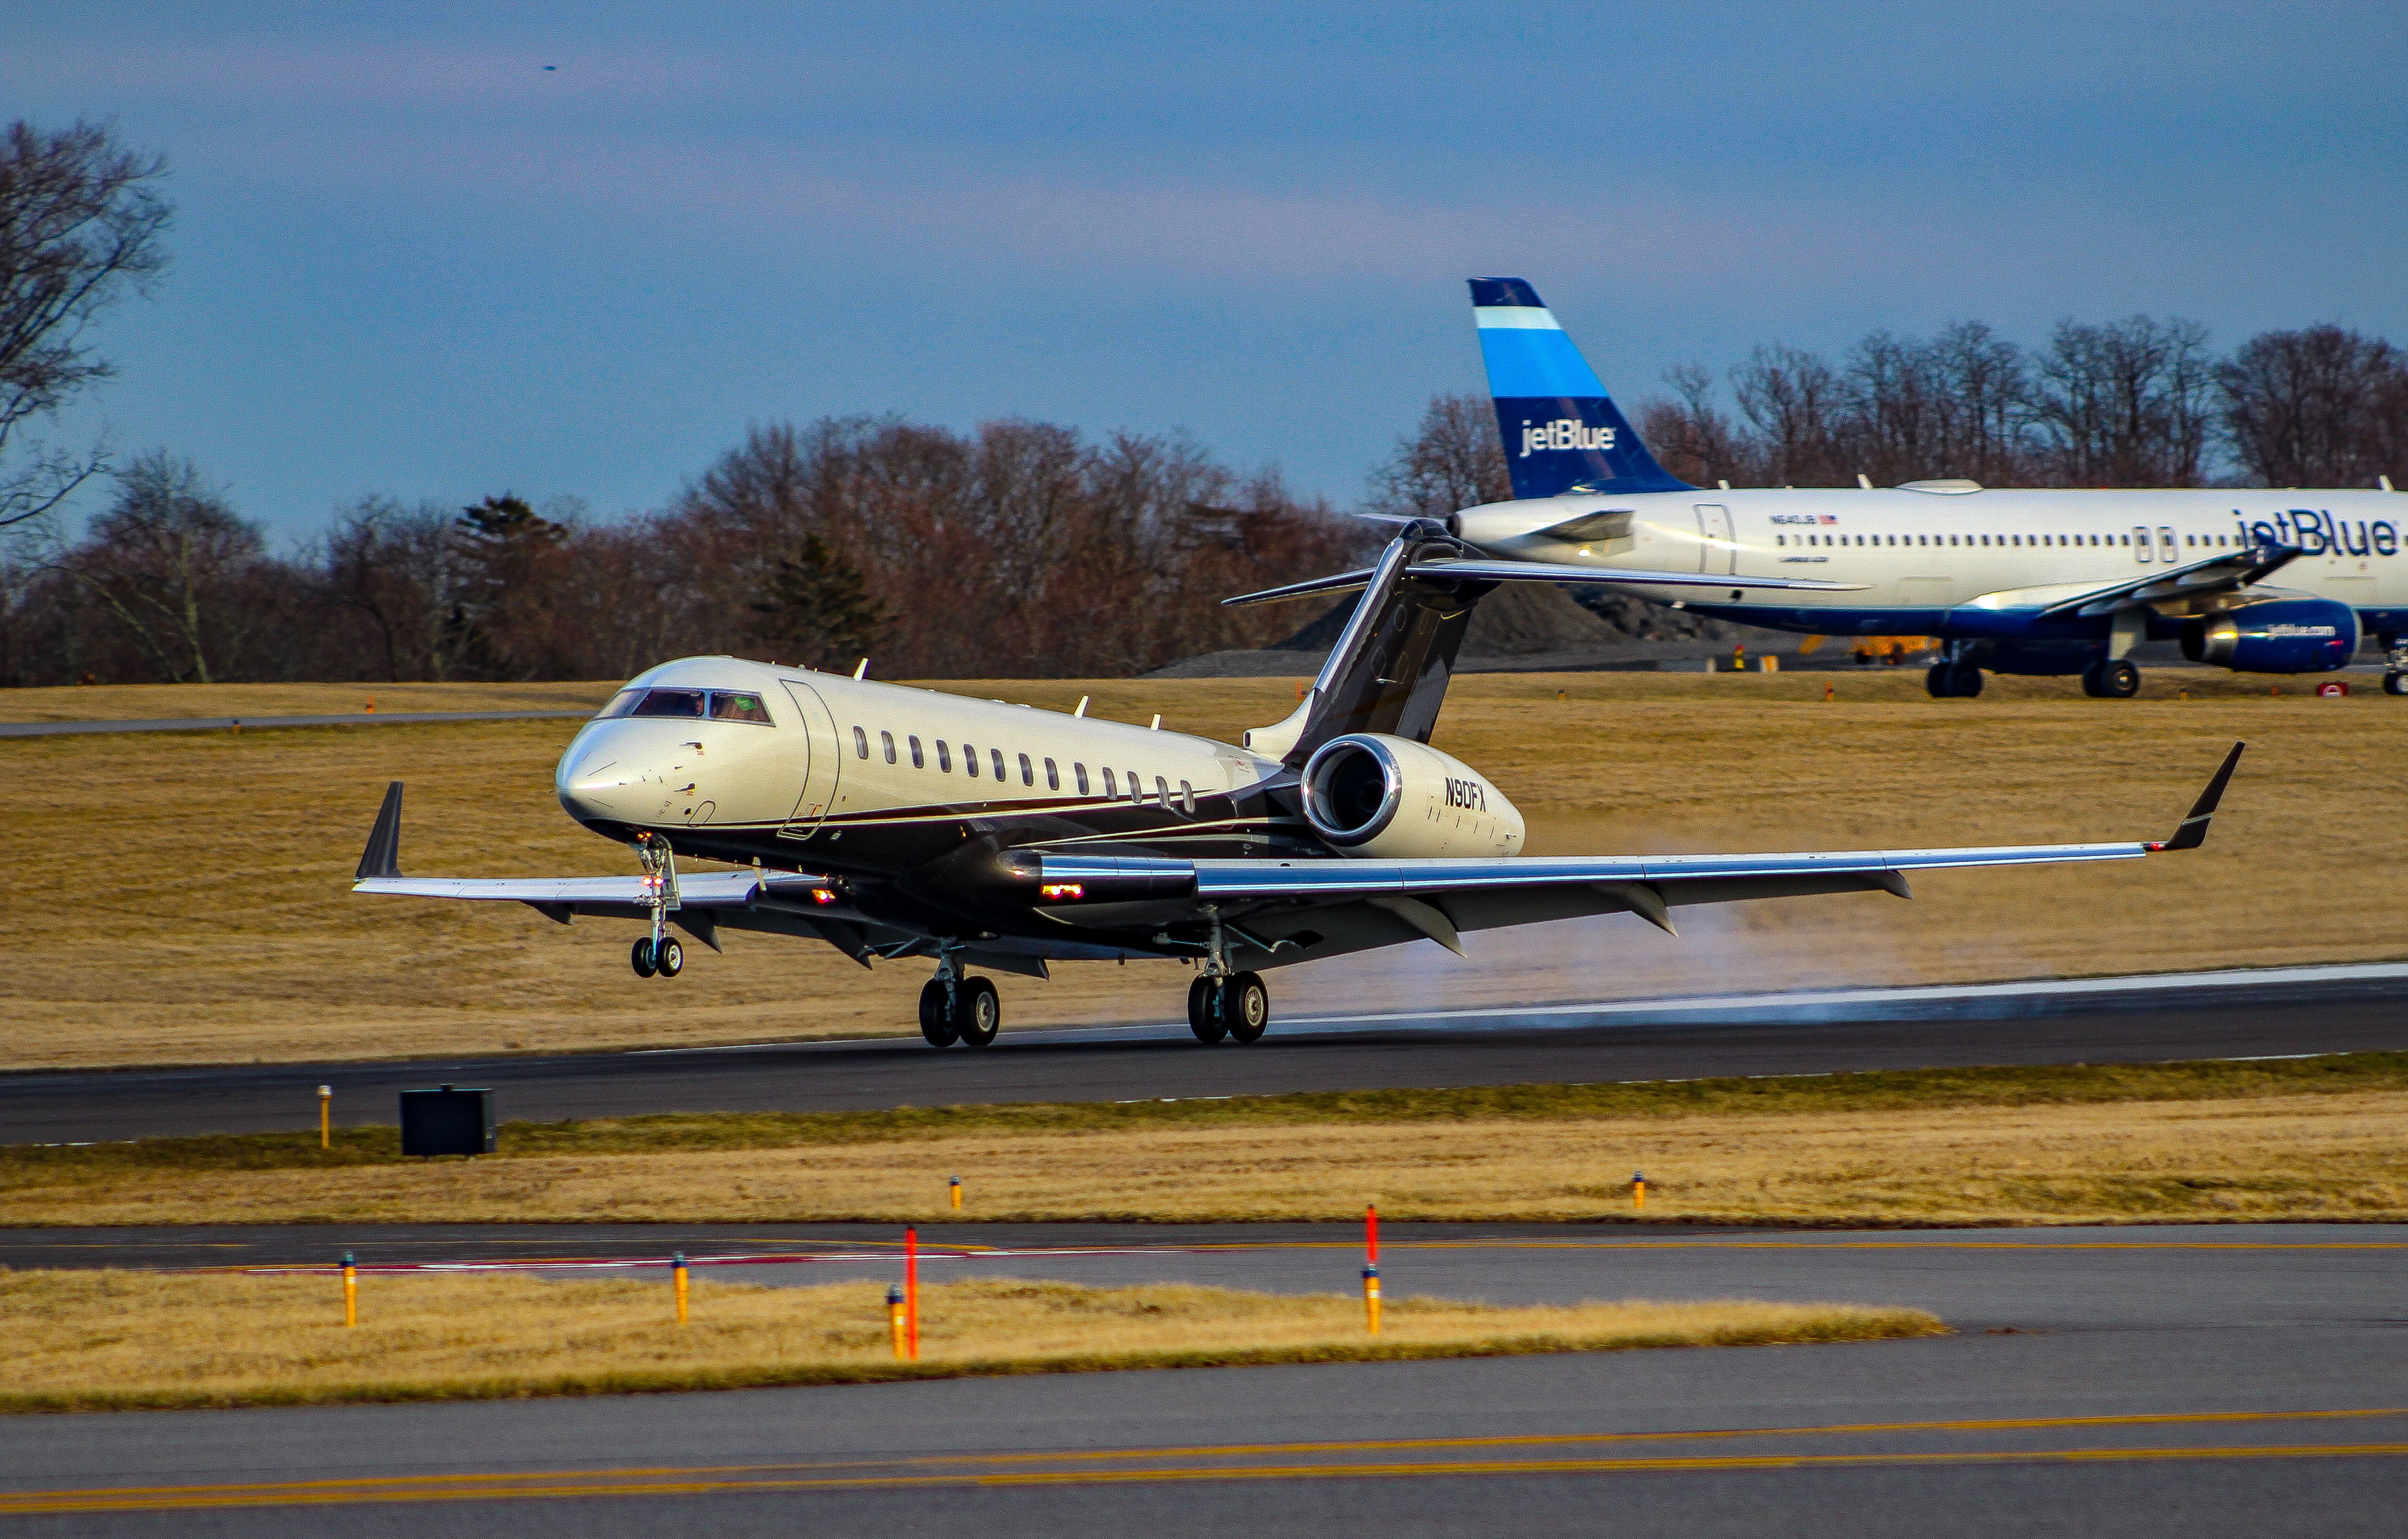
594	786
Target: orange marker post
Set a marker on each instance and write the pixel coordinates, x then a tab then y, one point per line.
1638	1188
957	1193
895	1326
1829	693
1371	1267
912	1292
350	1291
325	1116
677	1281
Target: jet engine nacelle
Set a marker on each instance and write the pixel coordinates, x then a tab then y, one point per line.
1370	794
2275	635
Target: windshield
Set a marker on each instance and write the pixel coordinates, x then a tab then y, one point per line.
718	705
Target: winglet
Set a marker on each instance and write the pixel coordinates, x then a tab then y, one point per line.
2193	832
383	857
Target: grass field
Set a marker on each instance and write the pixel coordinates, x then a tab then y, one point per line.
119	1340
203	915
2317	1138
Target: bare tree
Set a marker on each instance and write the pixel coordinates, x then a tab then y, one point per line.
2126	402
2321	406
1693	437
171	562
81	220
1798	408
1453	460
400	570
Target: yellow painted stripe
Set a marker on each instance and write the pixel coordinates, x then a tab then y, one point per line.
986	1466
542	1488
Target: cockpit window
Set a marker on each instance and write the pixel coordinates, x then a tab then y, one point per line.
670	702
719	704
738	706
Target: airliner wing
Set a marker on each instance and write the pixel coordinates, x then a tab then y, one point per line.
1324	907
2232	569
695	890
1530	571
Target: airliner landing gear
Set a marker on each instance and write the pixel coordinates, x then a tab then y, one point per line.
642	957
2115	678
955	1009
665	958
2395	683
1238	1007
1952	681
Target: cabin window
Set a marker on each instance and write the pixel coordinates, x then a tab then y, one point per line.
1781	539
738	706
860	744
1112	788
969	760
1053	777
919	761
945	757
886	741
994	761
1027	771
670	702
1080	771
1187	798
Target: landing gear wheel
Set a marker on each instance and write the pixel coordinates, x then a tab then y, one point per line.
978	1012
641	958
934	1024
1936	682
2117	679
1245	1006
1204	1017
669	957
1964	681
2395	683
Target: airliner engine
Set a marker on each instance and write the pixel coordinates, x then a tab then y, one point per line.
2275	635
1387	797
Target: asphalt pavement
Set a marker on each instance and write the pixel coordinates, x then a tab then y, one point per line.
2237	1014
2210	1381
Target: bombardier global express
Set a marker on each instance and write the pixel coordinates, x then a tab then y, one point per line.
894	823
2272	581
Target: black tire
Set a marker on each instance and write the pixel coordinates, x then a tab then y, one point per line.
2118	680
642	957
1204	1010
933	1022
1936	681
1245	1006
1964	681
2395	683
668	958
2090	685
978	1012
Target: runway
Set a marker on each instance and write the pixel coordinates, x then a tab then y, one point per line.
2272	1012
2199	1380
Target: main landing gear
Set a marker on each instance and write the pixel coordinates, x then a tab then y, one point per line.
958	1008
1237	1007
665	957
2111	678
1223	1003
1947	681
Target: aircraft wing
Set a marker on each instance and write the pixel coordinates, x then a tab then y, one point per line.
1324	907
1530	571
695	890
2232	569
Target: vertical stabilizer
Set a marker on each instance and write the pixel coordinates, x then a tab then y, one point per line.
1562	431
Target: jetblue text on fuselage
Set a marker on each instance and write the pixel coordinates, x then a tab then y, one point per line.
2318	533
1564	432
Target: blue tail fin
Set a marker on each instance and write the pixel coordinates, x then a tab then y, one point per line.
1562	433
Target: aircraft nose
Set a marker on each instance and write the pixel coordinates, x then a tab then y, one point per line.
594	787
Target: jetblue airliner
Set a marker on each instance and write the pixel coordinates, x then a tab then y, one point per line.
2263	582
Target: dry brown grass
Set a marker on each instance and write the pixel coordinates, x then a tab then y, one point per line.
211	922
157	702
2333	1156
116	1340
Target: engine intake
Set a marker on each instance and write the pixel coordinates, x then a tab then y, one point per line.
2275	635
1371	794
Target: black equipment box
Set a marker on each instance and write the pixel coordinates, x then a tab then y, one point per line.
447	1121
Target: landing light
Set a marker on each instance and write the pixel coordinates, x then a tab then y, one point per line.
821	894
1061	892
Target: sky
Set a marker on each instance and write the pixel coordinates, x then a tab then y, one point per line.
441	251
